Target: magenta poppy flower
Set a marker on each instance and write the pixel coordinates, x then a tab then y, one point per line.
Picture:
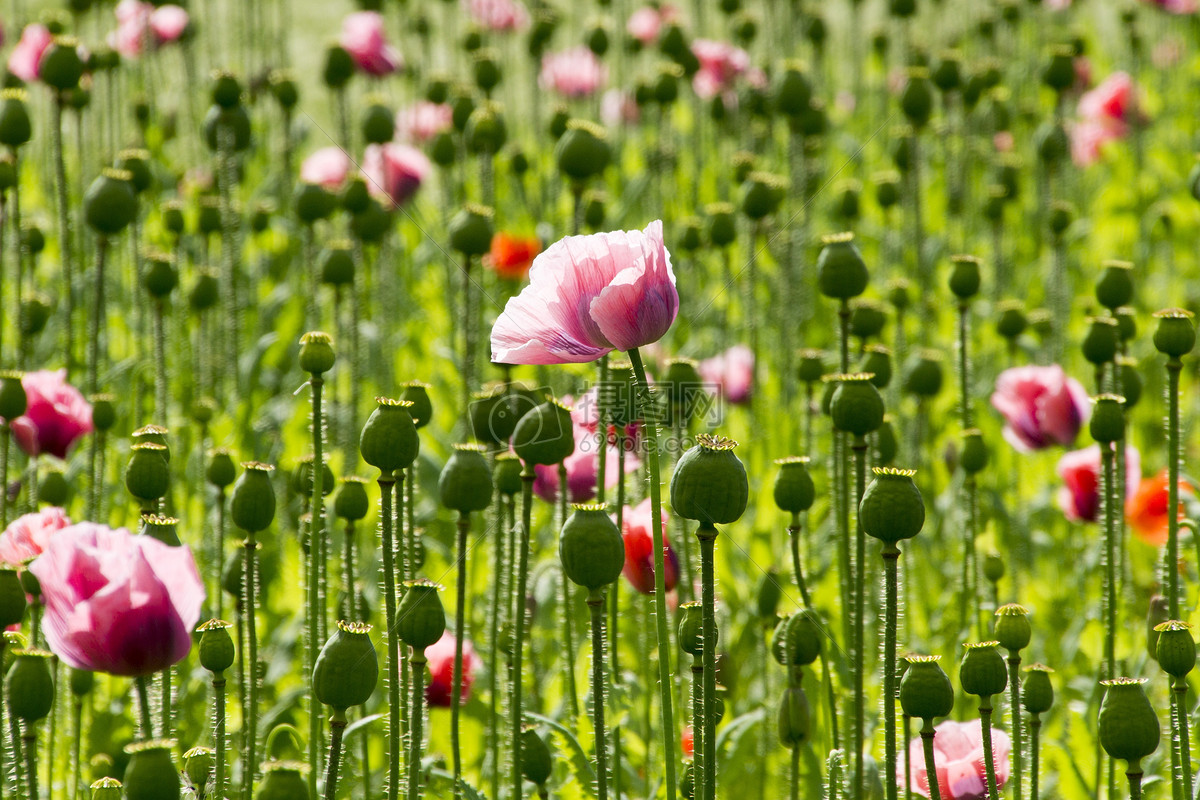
395	171
168	23
439	691
646	23
423	120
1079	470
363	38
583	465
140	24
26	58
1174	6
731	373
639	549
115	602
576	72
55	416
326	167
587	296
721	64
958	761
497	15
1041	405
27	536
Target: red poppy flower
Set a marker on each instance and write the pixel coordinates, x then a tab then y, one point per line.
512	255
1146	509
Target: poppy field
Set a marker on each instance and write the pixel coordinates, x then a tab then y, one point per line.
603	399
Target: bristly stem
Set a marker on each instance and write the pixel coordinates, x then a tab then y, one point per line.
64	231
1035	729
927	733
386	483
891	555
1014	693
251	722
416	718
518	605
1110	584
707	535
797	569
316	533
568	636
218	685
860	591
337	725
460	610
1174	367
596	604
143	697
989	757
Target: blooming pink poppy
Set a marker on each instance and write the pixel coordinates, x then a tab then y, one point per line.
1041	406
423	120
140	24
617	107
363	38
497	15
576	72
1174	6
55	415
168	23
1079	496
721	64
115	602
395	171
27	536
731	372
439	690
26	58
1088	139
583	465
326	167
587	296
958	761
645	24
1114	100
639	549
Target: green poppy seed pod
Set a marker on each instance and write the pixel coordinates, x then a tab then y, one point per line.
590	547
892	508
1115	287
221	471
420	619
216	646
151	773
378	124
316	353
283	780
1157	613
924	377
793	90
964	276
797	639
1128	723
462	105
159	275
1011	321
794	491
974	455
465	484
147	474
284	88
486	131
709	484
762	193
887	189
60	66
1061	216
110	204
442	149
389	439
690	235
417	393
721	224
536	763
104	411
691	629
925	689
13	400
487	70
886	445
1059	73
356	199
993	567
301	479
867	318
841	271
253	504
198	764
106	789
208	218
370	225
1129	380
347	669
812	365
339	67
1051	143
336	263
1176	648
993	205
831	384
227	127
846	204
1037	693
898	294
495	414
29	686
155	434
15	127
982	672
1100	344
32	238
34	314
82	682
162	528
916	101
768	594
12	597
232	571
856	406
136	162
1107	424
470	231
793	717
583	150
947	73
351	503
225	90
313	202
1126	318
813	123
1175	335
558	122
544	435
508	474
1012	629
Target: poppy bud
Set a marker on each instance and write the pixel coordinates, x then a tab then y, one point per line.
216	646
420	619
545	434
465	484
347	668
1128	723
982	672
797	640
709	483
793	717
12	597
1175	335
793	491
536	763
339	67
15	127
892	508
768	594
253	504
925	690
389	439
591	548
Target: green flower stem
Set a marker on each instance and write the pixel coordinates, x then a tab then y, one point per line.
891	555
93	381
230	247
337	725
64	230
595	602
648	412
416	718
614	609
469	302
602	429
386	482
918	223
1174	367
860	591
5	436
219	562
30	741
568	636
698	765
18	762
989	757
218	684
143	697
495	620
251	720
795	782
167	724
18	239
518	646
350	605
935	791
1018	737
907	758
316	534
970	575
707	535
834	770
1179	691
460	611
1134	774
76	747
1110	583
794	536
402	558
1035	729
841	466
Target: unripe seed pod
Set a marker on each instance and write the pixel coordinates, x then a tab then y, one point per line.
812	366
151	773
198	764
536	763
313	202
347	669
1129	380
339	67
15	126
768	594
709	484
544	435
508	474
1107	423
794	491
892	508
253	504
378	124
794	91
1126	318
856	405
106	789
982	672
1128	723
29	686
486	132
283	780
316	353
591	548
797	639
964	276
974	455
227	127
13	400
1115	287
762	193
1037	693
721	225
993	567
916	101
205	291
925	690
351	503
1059	72
924	377
421	411
216	646
1100	343
867	318
162	528
1012	320
389	439
1012	628
465	484
793	717
147	475
470	231
12	597
110	204
583	151
691	629
337	263
60	66
420	619
886	445
841	271
283	87
1175	335
887	190
1176	650
221	471
159	275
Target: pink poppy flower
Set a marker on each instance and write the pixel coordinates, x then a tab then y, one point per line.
55	415
1057	5
168	23
721	64
497	15
731	373
1174	6
639	549
27	536
363	38
423	120
573	73
1079	470
26	58
617	107
1114	100
1088	139
958	761
115	602
395	171
439	691
326	167
587	296
1041	406
645	24
583	465
140	24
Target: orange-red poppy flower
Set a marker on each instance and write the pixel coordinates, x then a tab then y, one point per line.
1146	511
512	255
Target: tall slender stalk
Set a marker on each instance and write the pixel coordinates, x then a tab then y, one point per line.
860	589
1110	582
416	720
1018	739
595	603
218	684
1179	690
64	230
794	537
891	555
1035	730
316	534
927	732
337	726
251	721
568	636
518	647
707	535
460	611
1174	367
386	483
97	315
989	757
